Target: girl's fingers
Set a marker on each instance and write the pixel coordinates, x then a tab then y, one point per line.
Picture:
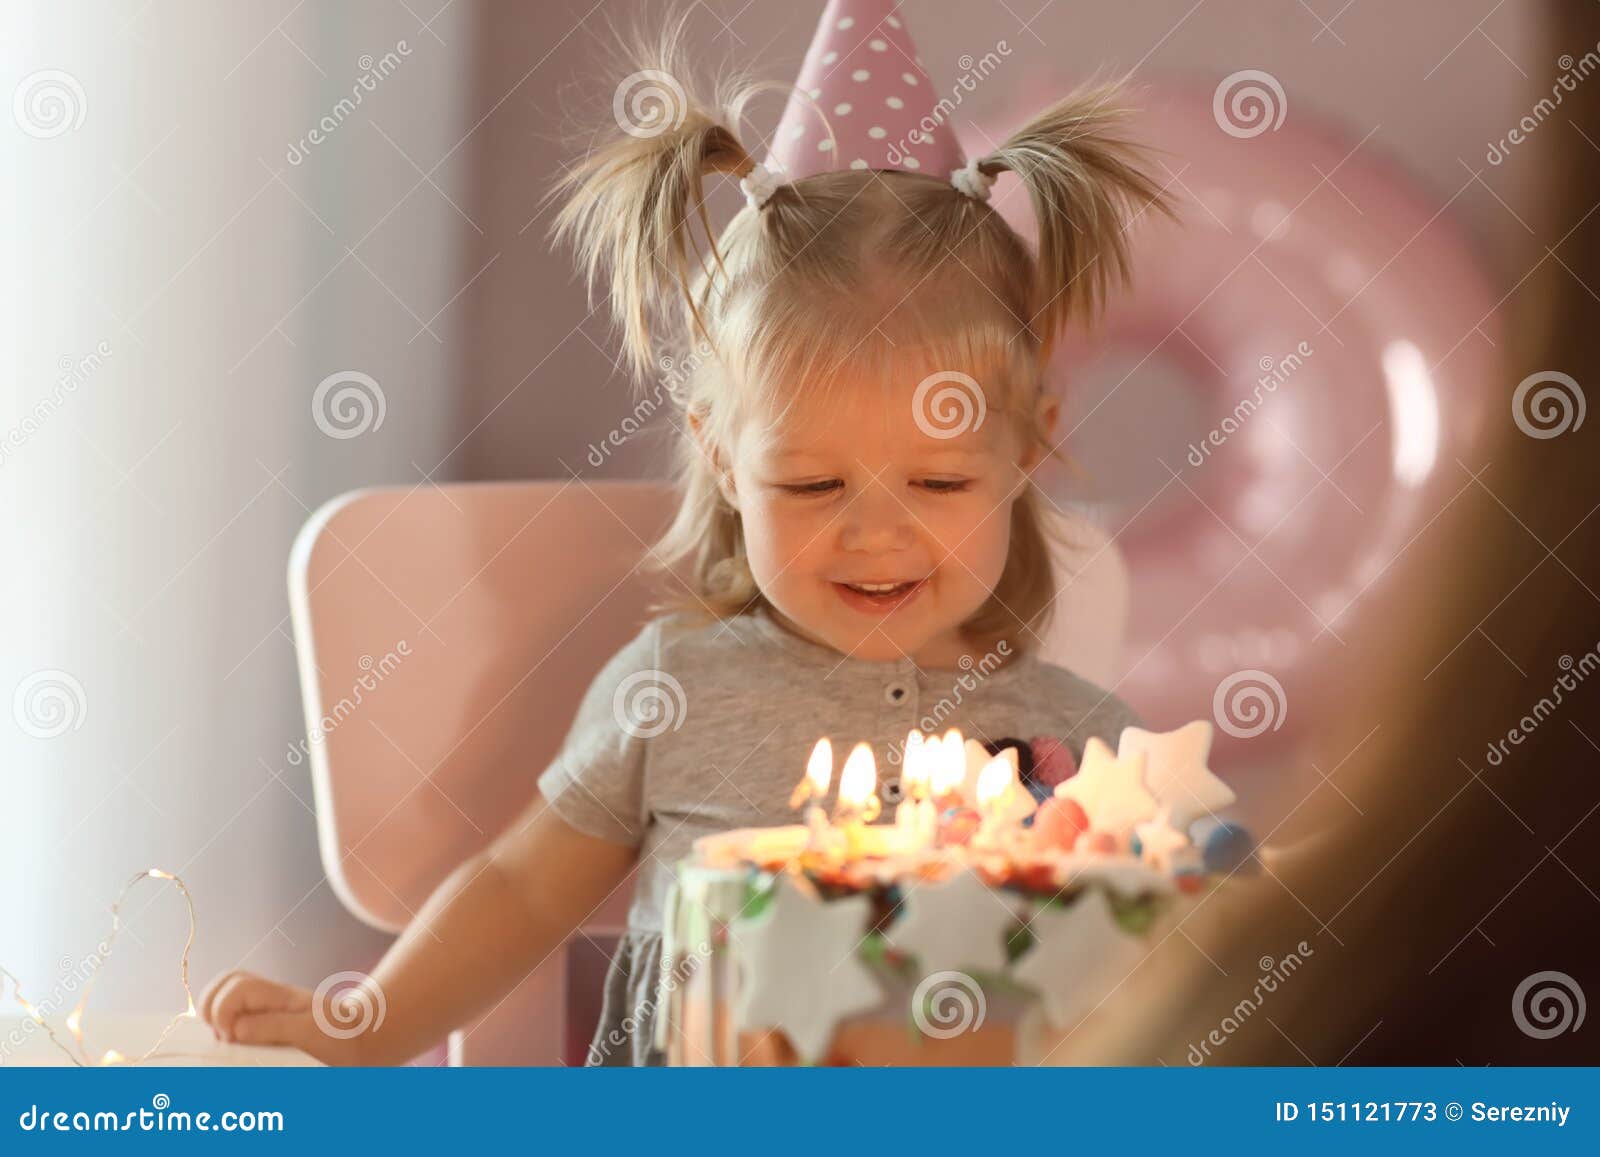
226	1003
208	998
295	1029
245	994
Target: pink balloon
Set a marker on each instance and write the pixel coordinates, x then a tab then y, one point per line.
1273	411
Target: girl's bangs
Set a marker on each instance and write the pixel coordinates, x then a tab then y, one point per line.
786	347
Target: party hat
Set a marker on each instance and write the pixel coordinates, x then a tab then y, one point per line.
864	75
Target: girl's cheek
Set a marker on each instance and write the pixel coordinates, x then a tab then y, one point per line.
974	515
791	517
985	541
777	530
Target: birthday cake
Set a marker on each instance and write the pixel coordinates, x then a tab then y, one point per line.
1004	899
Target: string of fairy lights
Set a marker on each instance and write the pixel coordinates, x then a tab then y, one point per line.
78	1052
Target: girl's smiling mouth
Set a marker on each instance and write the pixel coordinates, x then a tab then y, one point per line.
879	598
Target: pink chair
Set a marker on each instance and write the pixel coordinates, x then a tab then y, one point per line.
445	637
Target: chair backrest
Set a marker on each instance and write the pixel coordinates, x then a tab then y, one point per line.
445	637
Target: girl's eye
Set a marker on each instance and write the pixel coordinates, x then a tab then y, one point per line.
827	485
945	485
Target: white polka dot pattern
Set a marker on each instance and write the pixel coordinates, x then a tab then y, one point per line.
862	58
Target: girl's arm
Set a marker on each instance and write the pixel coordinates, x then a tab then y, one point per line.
490	923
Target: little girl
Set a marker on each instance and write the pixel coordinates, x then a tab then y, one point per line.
858	527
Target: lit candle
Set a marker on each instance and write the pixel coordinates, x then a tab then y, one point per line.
948	768
915	777
915	817
858	803
992	783
1003	803
811	791
819	774
911	770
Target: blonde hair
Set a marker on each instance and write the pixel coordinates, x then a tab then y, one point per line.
839	268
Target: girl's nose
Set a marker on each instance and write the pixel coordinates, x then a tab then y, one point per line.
876	523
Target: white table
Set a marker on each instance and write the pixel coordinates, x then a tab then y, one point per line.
190	1045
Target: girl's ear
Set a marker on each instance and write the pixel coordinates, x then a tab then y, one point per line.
717	459
703	440
1042	435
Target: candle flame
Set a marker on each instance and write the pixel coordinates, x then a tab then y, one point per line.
917	773
819	768
949	762
858	782
994	781
819	773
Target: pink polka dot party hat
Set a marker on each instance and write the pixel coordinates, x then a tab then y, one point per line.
863	80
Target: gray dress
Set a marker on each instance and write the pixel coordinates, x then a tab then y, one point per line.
694	728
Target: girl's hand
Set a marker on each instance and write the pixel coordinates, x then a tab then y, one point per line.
244	1008
481	933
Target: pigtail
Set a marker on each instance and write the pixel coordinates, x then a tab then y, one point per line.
1086	187
631	200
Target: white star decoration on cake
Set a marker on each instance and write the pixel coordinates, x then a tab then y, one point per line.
1176	771
1160	844
782	985
958	925
1110	788
1127	876
1081	955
